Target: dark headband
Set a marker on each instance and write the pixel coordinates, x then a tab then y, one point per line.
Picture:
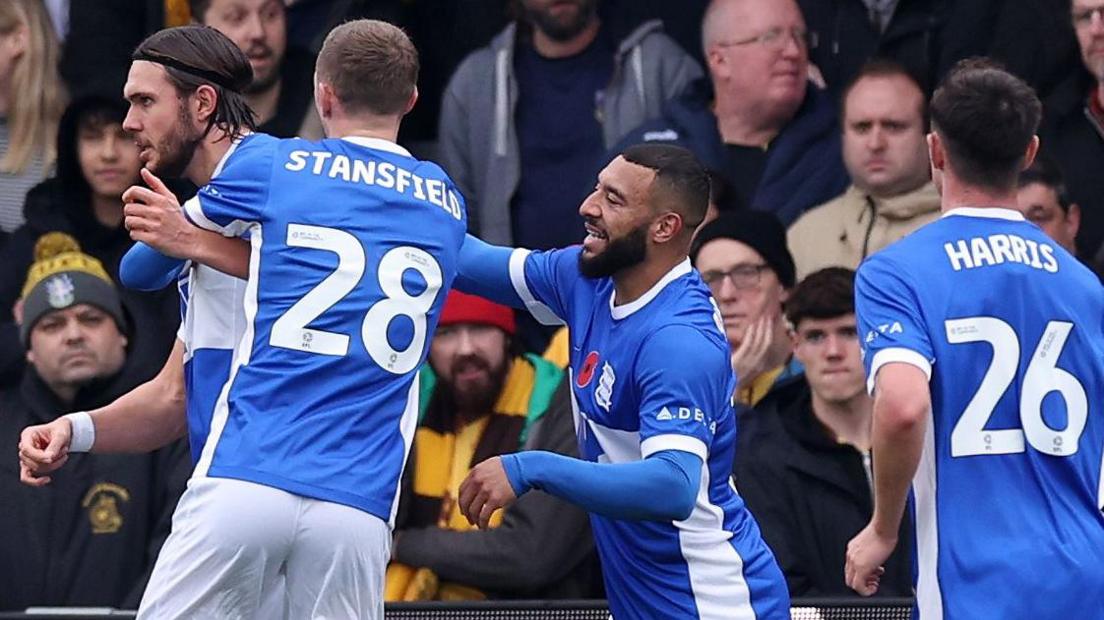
205	74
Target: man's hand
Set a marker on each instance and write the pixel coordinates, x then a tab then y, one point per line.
749	360
154	217
42	450
866	555
485	490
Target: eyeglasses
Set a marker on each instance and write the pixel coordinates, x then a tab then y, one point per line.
776	39
742	277
1084	17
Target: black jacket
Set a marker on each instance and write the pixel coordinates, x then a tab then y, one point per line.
296	94
1032	38
810	495
62	203
91	536
1075	140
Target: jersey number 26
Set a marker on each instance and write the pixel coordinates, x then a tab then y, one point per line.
970	437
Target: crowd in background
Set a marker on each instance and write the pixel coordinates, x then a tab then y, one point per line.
811	116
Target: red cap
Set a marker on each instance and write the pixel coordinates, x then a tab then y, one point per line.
464	308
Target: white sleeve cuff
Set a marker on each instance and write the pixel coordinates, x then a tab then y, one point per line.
541	312
672	441
896	354
84	431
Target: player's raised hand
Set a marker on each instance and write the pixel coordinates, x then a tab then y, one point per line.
42	450
485	490
866	556
154	217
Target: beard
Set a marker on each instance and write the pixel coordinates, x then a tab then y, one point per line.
476	396
620	253
566	28
176	151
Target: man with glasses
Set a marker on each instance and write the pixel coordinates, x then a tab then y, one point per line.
1074	134
743	258
757	121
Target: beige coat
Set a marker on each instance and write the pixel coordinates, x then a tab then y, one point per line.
847	229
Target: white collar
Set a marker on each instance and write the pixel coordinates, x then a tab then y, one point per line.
230	151
996	213
378	144
623	311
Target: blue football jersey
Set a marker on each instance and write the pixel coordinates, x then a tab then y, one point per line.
211	326
353	242
649	376
1007	498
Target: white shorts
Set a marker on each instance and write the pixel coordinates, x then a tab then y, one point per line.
244	550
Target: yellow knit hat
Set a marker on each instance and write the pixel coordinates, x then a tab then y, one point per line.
56	252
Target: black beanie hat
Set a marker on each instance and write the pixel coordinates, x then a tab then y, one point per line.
760	231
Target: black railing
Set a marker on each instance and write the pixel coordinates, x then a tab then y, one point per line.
802	609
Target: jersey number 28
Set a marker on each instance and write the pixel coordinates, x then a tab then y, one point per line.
290	331
970	437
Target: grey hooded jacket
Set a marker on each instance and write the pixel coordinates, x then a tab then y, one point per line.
478	139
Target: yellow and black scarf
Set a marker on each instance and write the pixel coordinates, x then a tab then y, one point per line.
443	454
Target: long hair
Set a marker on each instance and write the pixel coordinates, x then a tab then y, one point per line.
199	55
36	98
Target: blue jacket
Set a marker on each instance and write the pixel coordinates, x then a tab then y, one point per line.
804	162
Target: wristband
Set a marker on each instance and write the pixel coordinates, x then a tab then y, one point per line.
84	431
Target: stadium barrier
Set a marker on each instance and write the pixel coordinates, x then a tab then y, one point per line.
802	609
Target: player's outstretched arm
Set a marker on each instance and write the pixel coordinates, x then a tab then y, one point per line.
902	405
154	217
484	270
662	487
145	269
148	417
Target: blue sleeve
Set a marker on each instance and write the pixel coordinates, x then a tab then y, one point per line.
145	269
889	318
235	197
536	281
662	487
681	377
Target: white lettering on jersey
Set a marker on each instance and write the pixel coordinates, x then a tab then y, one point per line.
999	249
383	174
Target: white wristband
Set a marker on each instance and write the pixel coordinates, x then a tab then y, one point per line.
84	431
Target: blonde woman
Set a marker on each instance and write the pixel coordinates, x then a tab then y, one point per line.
31	102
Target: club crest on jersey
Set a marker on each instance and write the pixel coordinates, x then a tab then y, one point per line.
586	373
603	394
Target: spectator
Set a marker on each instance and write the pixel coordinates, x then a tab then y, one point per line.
757	120
282	92
89	537
527	120
31	100
97	161
1043	200
103	34
1074	132
886	154
483	399
742	257
806	472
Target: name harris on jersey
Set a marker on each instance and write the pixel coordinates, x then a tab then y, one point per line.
998	249
383	174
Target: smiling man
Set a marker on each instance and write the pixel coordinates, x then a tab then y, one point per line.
884	122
